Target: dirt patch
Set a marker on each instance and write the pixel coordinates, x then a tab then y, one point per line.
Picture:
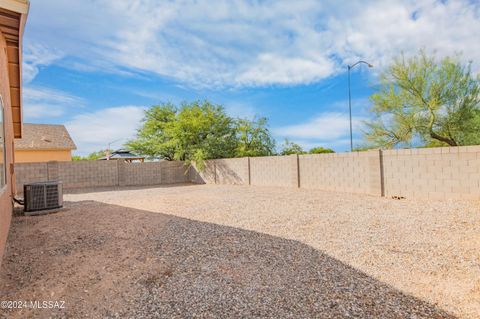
86	255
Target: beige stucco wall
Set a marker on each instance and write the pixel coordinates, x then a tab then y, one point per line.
5	192
24	156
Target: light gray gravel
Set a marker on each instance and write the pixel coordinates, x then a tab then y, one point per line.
244	253
223	272
426	248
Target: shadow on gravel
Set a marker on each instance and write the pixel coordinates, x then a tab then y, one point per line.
101	189
109	261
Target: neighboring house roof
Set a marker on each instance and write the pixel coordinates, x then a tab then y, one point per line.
122	154
44	137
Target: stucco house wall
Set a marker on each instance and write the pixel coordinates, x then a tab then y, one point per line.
6	191
13	14
23	156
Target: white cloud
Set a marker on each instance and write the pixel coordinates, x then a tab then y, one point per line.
270	69
328	126
326	129
36	56
250	43
386	28
240	109
94	130
41	102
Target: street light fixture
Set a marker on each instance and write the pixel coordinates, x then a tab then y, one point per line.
108	148
350	98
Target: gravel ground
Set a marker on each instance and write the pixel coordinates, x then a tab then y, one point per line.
232	251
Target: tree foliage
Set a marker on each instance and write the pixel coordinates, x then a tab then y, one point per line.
90	157
320	150
153	137
198	131
426	102
290	148
253	138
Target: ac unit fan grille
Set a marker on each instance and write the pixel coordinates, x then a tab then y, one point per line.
42	196
51	196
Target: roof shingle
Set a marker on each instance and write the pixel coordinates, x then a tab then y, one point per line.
44	137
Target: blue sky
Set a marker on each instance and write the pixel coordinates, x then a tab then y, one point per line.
96	65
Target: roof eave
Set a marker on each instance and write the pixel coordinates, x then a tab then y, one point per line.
44	149
18	6
23	21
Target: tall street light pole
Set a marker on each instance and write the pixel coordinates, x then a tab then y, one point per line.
350	98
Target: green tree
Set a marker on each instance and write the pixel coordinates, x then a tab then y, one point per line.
364	148
96	155
427	102
194	132
320	150
289	148
90	157
154	135
253	138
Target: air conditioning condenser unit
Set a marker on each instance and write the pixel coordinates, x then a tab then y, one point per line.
43	196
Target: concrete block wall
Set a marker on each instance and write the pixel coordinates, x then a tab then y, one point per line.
91	174
444	172
152	173
31	173
274	171
205	176
232	171
173	172
83	174
356	172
